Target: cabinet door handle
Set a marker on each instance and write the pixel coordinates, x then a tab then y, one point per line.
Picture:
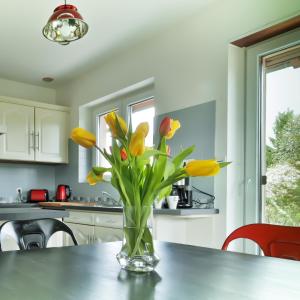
37	143
31	140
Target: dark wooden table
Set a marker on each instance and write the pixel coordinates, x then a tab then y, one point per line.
185	272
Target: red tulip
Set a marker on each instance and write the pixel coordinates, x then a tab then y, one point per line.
123	154
165	126
168	127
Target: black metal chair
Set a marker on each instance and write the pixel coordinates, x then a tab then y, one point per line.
33	234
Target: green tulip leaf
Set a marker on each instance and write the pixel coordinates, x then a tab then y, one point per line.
177	161
224	164
100	170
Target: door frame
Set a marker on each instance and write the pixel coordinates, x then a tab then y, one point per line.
253	115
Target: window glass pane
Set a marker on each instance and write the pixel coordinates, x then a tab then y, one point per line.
104	139
144	111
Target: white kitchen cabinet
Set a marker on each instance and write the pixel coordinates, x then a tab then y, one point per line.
193	230
110	220
33	131
90	228
80	217
51	135
84	234
105	234
18	141
107	227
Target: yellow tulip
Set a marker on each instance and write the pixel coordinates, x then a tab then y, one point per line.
92	178
143	127
175	124
111	121
137	143
83	137
202	168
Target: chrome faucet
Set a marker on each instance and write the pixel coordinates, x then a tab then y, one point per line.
108	199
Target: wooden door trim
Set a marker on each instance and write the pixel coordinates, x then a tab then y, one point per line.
268	33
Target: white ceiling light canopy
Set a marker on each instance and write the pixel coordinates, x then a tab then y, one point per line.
65	25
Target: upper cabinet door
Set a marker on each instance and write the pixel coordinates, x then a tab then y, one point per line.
51	135
18	123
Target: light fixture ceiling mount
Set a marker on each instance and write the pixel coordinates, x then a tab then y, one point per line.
65	25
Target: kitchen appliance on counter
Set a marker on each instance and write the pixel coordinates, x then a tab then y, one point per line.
63	193
38	195
183	189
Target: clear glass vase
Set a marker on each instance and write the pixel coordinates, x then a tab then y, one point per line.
137	253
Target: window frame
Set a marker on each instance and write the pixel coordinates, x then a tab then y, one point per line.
129	108
98	155
122	104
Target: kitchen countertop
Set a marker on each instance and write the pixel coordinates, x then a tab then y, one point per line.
96	207
184	272
13	214
18	205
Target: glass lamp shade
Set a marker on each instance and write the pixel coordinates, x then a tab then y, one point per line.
65	25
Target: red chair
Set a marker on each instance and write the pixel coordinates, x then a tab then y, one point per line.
274	240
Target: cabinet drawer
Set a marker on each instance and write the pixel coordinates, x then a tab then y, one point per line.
109	220
80	218
104	234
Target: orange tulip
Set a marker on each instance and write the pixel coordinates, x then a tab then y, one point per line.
83	137
202	168
93	179
168	127
111	121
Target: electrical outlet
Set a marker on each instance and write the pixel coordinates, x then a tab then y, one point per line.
19	190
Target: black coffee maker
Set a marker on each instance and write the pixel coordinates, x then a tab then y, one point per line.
183	188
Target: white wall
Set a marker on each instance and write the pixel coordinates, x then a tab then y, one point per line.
27	91
189	64
235	141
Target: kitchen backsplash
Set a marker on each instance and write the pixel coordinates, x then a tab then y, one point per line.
25	176
35	176
68	174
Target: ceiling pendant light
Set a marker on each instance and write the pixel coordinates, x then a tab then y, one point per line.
65	25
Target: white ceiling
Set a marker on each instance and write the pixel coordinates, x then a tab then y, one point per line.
26	56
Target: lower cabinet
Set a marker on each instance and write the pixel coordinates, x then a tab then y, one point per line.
89	228
197	231
103	234
84	234
99	227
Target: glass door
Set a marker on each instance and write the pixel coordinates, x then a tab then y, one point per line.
280	138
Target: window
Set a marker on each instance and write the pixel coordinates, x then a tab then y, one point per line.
104	139
140	111
143	111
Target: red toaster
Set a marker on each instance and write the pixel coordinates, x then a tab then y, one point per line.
38	195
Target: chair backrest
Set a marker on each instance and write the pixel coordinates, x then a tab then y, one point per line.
33	234
274	240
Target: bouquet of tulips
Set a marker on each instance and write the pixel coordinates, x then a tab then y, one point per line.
141	174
